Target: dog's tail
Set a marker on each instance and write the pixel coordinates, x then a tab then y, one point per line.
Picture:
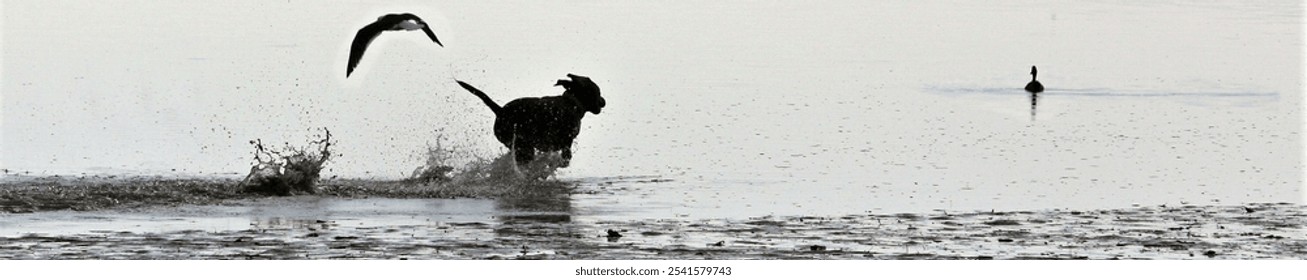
489	103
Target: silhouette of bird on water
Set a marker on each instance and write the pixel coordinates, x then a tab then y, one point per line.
389	22
1034	86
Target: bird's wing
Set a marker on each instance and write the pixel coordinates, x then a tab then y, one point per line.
427	28
361	41
405	16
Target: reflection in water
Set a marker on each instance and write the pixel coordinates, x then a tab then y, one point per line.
536	217
547	209
322	213
1034	87
1034	101
289	223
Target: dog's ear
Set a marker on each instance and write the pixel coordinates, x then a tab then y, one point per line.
581	81
565	83
578	78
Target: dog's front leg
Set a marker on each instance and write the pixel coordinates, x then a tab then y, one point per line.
523	154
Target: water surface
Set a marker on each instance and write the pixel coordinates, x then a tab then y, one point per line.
742	108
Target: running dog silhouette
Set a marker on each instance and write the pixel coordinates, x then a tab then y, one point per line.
544	124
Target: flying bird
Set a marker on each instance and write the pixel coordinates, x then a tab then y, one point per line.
389	22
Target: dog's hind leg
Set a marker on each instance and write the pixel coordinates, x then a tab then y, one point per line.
522	153
567	157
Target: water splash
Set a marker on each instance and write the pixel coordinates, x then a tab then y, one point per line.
290	169
438	166
499	170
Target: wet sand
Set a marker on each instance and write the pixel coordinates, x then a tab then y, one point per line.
1258	231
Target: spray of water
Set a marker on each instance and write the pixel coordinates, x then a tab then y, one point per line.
292	169
441	159
438	166
449	167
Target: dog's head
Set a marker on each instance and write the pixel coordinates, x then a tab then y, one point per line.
585	91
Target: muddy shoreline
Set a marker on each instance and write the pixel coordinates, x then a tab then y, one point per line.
520	228
1272	231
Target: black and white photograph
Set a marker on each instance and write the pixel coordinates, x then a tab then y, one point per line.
652	130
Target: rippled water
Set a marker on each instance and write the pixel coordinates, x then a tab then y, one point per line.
740	108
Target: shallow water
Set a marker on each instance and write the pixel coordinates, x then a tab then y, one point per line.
271	213
737	109
1255	231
